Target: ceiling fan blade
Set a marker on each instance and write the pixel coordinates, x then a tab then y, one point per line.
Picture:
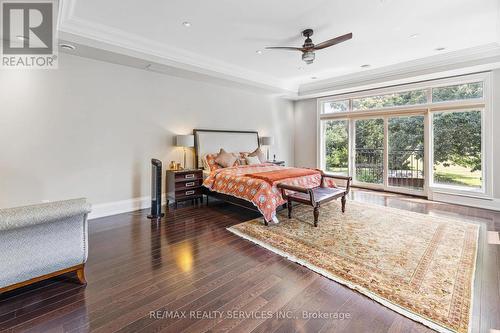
286	48
333	41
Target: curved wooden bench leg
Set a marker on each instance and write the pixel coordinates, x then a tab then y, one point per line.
289	206
80	274
316	215
343	203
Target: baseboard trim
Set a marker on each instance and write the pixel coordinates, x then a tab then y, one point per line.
130	205
491	204
120	207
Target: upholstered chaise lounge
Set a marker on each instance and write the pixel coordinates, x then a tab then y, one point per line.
41	241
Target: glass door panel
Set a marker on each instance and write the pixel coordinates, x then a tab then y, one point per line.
369	151
336	154
406	152
457	149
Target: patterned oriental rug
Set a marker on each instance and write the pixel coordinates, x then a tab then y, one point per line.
418	265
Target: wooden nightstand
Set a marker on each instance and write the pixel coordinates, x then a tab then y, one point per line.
280	163
183	185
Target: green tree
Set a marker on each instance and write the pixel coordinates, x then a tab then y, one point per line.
461	91
412	97
457	139
336	145
369	150
406	141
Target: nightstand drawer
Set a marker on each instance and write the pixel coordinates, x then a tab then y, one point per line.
187	184
186	193
180	177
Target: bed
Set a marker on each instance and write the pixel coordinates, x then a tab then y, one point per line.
237	184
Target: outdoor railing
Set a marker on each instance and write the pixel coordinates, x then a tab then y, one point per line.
405	167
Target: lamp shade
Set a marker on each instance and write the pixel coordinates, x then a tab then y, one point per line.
184	140
267	140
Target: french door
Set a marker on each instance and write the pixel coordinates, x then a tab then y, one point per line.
405	135
369	151
388	153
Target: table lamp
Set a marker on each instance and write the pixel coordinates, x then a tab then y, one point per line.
184	141
267	141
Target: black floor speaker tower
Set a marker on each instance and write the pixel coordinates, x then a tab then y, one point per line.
155	190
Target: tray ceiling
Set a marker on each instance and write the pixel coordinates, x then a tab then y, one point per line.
224	35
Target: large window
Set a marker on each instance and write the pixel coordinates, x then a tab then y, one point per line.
336	134
457	148
421	138
412	97
458	92
337	106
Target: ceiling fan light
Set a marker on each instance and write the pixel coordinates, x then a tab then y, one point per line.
308	57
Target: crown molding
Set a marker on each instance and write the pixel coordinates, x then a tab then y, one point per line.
99	36
115	40
466	61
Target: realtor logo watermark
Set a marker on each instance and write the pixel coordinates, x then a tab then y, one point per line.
28	34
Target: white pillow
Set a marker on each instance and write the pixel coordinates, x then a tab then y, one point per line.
251	160
259	153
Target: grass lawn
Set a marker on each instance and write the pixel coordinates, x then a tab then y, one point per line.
456	175
338	171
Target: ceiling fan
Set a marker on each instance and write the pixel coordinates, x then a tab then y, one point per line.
308	48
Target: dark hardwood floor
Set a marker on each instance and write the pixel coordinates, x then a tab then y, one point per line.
138	270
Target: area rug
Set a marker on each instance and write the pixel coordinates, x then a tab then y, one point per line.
420	266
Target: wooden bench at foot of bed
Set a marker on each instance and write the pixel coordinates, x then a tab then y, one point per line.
316	196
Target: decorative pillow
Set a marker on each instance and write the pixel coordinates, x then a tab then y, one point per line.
260	154
241	158
251	160
210	163
237	156
226	159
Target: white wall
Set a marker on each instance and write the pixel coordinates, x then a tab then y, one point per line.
90	128
306	133
305	151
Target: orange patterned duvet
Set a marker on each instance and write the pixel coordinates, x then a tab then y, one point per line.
275	176
233	181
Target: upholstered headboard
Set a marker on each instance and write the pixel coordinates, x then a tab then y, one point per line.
211	141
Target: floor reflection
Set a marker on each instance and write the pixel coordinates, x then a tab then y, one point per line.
173	241
156	255
184	257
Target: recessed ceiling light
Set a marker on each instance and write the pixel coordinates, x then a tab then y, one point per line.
258	52
67	47
365	66
20	37
314	77
440	48
186	24
414	35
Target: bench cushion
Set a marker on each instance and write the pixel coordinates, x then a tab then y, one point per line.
320	194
